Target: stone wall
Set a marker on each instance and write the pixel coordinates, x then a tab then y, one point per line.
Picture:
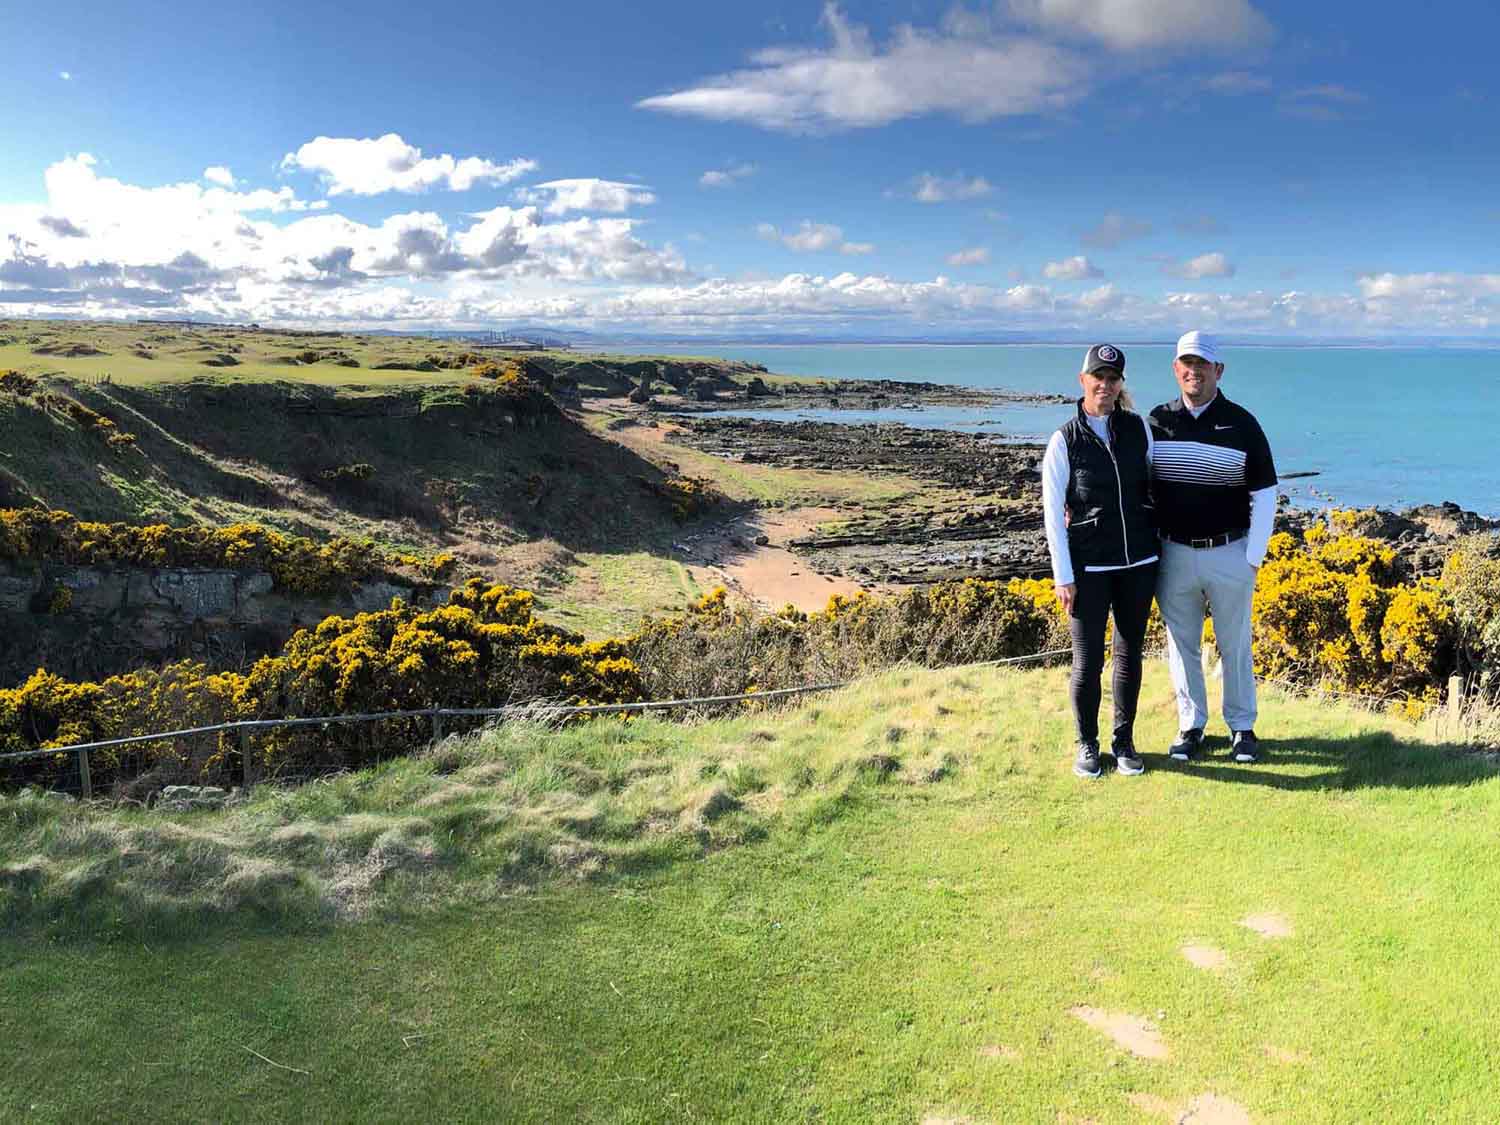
93	622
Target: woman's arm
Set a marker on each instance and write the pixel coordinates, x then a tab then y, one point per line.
1055	471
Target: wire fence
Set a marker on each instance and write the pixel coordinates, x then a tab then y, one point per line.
437	715
243	728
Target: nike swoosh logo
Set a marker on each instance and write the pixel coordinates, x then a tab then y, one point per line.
1223	427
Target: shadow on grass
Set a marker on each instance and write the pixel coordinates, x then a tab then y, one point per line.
1370	761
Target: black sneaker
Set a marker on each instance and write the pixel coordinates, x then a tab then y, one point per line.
1127	761
1246	746
1087	762
1188	745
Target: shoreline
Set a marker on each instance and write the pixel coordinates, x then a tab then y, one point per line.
982	515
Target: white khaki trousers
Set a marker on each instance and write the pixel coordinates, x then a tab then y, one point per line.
1218	581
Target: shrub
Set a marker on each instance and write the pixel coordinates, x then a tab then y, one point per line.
1471	584
485	648
296	564
1331	610
13	382
722	648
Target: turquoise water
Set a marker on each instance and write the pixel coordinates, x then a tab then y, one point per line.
1381	426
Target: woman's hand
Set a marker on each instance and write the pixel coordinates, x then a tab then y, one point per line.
1065	595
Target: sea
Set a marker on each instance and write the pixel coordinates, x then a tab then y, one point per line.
1378	426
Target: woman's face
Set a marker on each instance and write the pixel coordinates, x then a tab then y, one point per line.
1101	390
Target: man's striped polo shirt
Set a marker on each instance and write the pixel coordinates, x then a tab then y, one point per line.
1203	469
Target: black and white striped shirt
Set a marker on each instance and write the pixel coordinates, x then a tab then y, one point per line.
1205	468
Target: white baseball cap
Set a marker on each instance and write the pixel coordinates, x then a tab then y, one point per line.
1199	344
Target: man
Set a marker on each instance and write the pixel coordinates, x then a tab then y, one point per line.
1215	491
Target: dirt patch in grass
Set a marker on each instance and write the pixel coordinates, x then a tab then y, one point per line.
1136	1034
1204	1109
1269	925
1214	1109
1155	1105
1205	957
1283	1055
999	1051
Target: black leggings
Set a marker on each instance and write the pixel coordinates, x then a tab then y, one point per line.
1128	592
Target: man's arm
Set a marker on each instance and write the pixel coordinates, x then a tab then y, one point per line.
1260	476
1262	520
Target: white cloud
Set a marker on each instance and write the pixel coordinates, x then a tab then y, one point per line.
1076	268
218	174
813	238
973	256
927	188
1328	92
65	75
1204	265
1104	299
814	298
558	197
1326	102
1114	229
1429	286
975	73
1237	82
371	166
97	243
724	177
1184	25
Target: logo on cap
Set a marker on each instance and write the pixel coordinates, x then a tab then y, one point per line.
1108	354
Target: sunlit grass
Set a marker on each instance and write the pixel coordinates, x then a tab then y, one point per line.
879	906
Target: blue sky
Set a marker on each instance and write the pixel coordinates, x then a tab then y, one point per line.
1047	167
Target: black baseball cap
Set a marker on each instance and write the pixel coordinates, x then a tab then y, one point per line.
1104	355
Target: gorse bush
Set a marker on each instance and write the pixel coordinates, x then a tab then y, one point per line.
1331	610
296	564
485	648
16	383
722	648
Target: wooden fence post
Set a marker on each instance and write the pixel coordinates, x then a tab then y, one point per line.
437	726
1455	697
246	761
83	775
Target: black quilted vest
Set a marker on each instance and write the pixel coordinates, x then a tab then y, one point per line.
1110	518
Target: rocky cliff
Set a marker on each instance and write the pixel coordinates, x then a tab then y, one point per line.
94	622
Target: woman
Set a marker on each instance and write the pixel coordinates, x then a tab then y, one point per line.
1102	538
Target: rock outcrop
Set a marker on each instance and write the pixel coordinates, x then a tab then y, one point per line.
91	622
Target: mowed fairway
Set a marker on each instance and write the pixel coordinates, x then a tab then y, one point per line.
1310	939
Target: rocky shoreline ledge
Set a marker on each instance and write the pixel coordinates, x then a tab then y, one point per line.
986	519
709	394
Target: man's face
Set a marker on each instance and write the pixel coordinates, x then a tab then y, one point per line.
1198	378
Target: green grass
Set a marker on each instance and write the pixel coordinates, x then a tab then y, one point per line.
607	595
852	944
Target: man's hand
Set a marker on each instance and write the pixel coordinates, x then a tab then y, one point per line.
1065	595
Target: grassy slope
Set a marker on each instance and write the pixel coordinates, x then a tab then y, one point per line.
214	446
856	962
